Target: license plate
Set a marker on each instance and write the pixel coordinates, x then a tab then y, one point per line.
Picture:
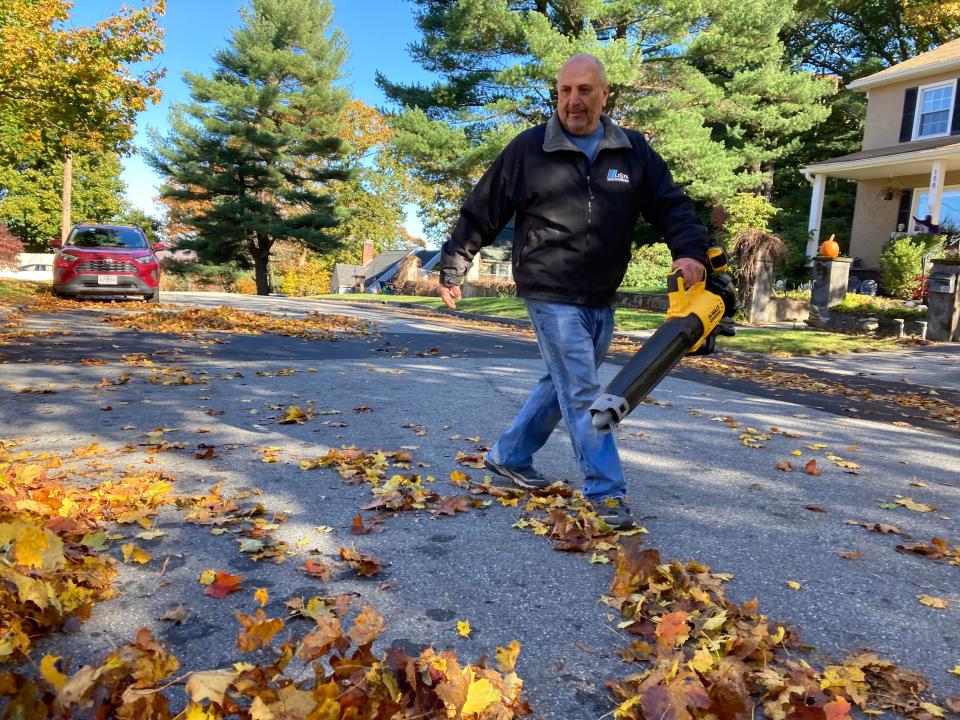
106	279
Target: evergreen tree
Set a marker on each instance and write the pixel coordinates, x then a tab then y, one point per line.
256	149
706	80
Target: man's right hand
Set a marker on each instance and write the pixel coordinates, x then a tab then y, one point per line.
450	295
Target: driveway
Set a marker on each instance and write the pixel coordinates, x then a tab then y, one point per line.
433	388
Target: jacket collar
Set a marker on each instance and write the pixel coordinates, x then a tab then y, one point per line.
556	139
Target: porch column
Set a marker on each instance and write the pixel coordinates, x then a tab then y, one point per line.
938	172
816	213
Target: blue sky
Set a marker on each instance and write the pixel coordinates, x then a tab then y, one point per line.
379	32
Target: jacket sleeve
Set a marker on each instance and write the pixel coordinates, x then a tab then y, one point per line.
668	208
484	214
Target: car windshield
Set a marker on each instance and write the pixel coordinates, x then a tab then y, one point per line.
107	238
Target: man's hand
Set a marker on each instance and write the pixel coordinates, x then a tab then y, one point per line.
450	295
693	271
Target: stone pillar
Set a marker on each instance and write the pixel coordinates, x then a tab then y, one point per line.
830	277
760	305
943	300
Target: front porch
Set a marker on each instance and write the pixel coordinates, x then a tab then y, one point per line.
895	186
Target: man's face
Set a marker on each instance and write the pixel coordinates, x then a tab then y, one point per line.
581	96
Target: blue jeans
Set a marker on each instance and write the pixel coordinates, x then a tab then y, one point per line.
573	341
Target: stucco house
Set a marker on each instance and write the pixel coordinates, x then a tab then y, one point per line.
909	166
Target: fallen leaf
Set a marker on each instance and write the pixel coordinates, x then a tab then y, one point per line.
785	466
934	602
206	454
793	584
261	596
176	615
463	628
811	468
850	554
223	584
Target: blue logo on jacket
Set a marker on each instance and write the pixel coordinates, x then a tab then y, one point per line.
614	175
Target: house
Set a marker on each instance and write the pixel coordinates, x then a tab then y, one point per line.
909	166
375	274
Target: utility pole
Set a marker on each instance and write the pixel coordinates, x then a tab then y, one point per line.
65	224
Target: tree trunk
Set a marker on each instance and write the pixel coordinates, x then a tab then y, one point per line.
260	267
65	223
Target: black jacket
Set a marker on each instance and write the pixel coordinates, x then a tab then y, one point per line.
574	221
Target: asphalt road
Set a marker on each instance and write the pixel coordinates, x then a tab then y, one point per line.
702	495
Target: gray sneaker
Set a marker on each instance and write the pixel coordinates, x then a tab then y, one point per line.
614	512
526	479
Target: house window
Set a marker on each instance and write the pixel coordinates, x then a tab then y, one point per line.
949	208
934	110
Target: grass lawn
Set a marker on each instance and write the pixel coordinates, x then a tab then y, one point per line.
807	341
774	341
17	292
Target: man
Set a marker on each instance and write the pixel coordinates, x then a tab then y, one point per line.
576	185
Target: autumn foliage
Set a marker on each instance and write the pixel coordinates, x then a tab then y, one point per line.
10	247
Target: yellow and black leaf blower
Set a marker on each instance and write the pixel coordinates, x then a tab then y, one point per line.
694	319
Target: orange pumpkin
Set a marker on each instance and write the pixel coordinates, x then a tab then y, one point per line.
830	248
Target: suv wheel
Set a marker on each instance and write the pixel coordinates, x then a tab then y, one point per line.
155	298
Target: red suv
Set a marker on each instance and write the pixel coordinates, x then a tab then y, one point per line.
107	260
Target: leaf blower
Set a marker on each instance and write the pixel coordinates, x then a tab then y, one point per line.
694	319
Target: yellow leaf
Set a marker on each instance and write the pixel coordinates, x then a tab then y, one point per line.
798	453
956	669
207	577
463	627
716	621
793	584
915	506
48	668
934	602
932	709
209	685
33	546
507	657
599	559
701	662
261	596
480	694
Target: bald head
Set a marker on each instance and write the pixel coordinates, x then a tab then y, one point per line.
587	62
581	94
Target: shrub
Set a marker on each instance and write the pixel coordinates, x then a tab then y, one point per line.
424	286
900	266
10	248
310	278
648	268
244	285
744	211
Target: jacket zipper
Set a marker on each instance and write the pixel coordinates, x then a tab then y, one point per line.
589	204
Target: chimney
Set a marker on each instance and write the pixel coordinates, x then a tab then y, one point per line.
367	253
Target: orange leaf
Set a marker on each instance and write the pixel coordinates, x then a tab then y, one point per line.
367	626
223	584
673	629
811	468
317	570
837	709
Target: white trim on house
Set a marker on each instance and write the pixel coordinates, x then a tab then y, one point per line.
918	112
886	166
871	81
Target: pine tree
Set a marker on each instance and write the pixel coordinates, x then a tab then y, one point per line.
256	149
706	80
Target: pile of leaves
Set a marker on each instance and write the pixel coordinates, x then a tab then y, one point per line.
51	535
250	524
712	658
397	493
347	680
313	326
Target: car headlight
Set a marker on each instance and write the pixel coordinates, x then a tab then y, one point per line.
68	257
145	259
